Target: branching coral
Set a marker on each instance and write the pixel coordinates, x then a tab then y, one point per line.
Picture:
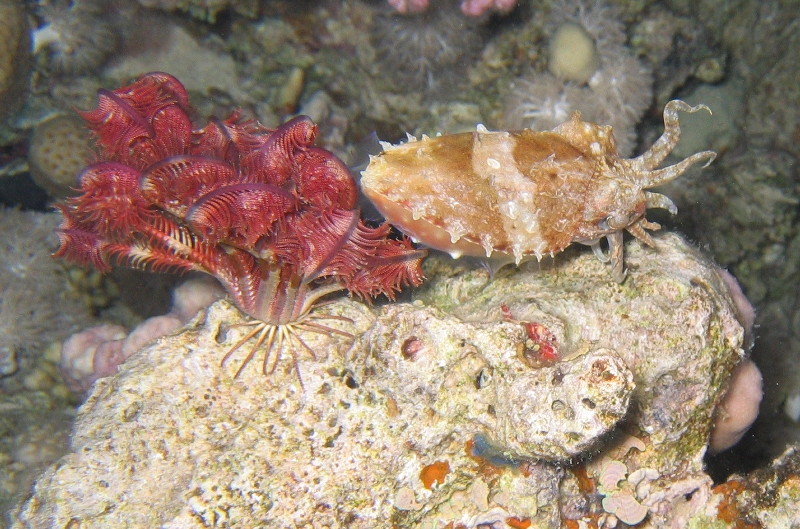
264	211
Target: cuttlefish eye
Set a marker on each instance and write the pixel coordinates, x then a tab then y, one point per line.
617	221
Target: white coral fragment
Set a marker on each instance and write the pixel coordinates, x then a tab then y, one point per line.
612	474
405	500
625	507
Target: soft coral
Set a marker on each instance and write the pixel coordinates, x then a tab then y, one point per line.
271	216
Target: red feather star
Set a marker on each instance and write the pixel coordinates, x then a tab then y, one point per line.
267	213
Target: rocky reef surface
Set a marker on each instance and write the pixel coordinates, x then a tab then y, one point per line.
440	411
348	65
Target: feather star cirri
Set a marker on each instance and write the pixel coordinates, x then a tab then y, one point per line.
267	213
521	194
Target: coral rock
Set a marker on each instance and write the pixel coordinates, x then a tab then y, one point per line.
555	413
58	150
432	392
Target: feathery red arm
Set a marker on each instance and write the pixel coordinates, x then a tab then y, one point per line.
265	211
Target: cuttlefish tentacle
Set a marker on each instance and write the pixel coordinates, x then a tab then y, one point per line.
662	176
659	151
637	229
598	251
615	250
657	200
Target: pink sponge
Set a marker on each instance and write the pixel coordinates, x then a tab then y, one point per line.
739	407
98	351
79	351
471	8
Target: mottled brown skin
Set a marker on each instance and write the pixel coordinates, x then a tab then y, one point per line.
563	174
468	197
512	195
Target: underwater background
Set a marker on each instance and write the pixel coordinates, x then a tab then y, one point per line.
393	68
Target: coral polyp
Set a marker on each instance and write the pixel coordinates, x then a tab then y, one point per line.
77	36
427	48
591	70
267	213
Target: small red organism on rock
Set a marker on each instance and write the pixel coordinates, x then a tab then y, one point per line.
267	213
411	347
540	347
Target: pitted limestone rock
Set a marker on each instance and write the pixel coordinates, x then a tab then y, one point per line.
561	411
473	373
